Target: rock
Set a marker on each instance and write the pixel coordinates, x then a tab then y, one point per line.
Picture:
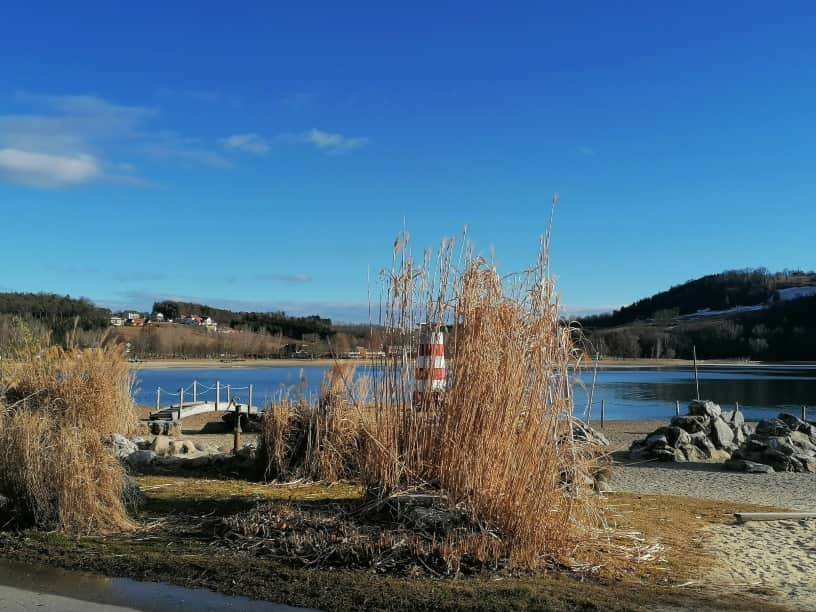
749	429
121	446
182	447
739	436
704	408
794	423
639	454
164	428
782	444
718	456
691	424
694	454
750	467
141	443
701	441
803	441
248	452
721	433
656	439
141	458
772	427
738	419
161	445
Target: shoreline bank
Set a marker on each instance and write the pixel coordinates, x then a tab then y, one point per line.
587	365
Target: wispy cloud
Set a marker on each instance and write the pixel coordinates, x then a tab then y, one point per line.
586	151
289	278
328	142
68	140
45	170
578	310
249	143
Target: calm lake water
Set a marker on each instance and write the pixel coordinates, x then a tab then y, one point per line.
643	393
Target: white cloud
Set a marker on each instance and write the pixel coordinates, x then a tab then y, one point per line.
333	143
45	170
249	143
587	151
68	140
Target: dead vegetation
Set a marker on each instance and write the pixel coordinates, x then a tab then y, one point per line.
55	409
498	445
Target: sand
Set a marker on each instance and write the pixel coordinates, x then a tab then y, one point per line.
774	560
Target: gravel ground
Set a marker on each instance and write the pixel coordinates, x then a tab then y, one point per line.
784	490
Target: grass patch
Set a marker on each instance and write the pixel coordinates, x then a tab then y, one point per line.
173	546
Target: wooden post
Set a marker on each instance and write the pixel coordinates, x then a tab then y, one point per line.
696	377
236	428
592	390
804	413
195	391
217	394
249	403
181	401
158	399
603	412
676	407
228	394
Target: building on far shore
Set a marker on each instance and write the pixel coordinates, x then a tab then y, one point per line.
117	321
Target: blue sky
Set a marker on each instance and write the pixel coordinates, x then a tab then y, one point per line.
261	156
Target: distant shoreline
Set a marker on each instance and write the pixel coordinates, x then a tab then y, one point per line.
587	364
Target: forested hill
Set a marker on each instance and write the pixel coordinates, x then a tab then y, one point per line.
270	322
715	292
751	314
57	313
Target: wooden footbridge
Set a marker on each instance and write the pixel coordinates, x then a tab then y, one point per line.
224	400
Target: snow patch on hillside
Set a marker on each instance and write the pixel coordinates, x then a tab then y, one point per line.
794	293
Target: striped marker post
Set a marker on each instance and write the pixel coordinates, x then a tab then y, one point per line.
430	372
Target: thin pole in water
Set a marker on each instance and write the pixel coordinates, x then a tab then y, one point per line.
249	403
228	394
158	398
592	391
603	412
676	407
804	413
217	394
696	377
195	391
181	401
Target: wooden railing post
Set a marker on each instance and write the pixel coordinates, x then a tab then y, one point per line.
195	391
158	398
217	394
181	401
676	407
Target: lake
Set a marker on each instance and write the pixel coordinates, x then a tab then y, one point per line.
637	393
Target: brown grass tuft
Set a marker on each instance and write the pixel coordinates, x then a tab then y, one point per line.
57	406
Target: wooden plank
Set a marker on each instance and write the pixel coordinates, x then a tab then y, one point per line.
743	517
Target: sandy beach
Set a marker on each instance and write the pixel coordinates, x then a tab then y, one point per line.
774	560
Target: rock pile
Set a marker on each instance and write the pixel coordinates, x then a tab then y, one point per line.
783	444
163	454
705	435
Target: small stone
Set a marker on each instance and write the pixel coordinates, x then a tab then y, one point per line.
750	467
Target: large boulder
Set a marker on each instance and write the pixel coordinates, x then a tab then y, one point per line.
691	424
121	446
141	459
704	408
772	427
721	433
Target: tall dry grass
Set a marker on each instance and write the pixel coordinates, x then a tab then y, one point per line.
56	408
315	441
499	441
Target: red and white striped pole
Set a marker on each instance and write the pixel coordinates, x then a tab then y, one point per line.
429	374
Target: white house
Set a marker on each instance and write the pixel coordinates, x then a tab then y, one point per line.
117	321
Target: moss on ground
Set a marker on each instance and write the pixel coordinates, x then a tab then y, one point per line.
175	546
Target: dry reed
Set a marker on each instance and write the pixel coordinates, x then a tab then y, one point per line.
57	406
